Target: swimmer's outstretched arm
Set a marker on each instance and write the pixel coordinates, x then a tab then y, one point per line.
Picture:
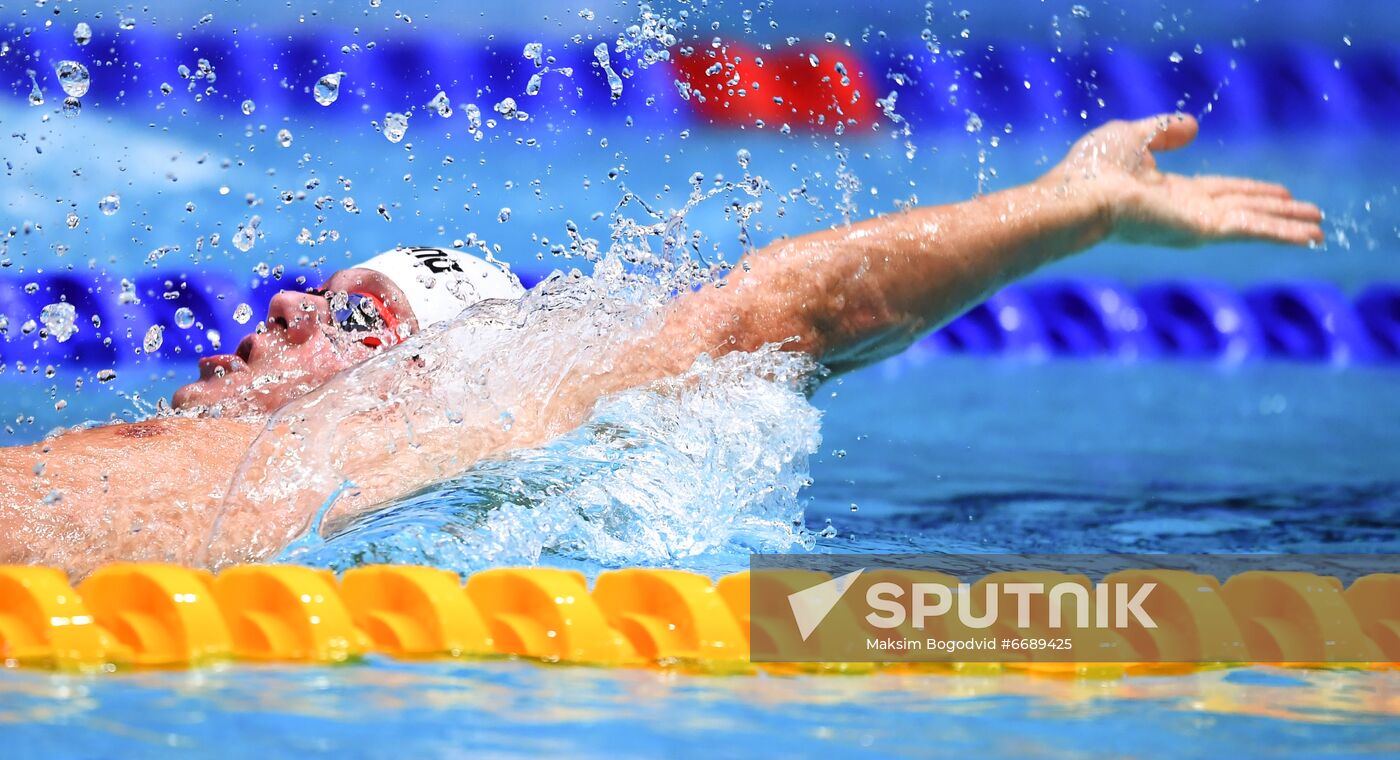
858	293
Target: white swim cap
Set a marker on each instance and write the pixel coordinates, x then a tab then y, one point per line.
439	282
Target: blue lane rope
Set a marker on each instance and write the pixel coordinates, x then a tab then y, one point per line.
1265	88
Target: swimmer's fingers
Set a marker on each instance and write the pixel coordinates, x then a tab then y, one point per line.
1167	131
1215	185
1283	208
1244	224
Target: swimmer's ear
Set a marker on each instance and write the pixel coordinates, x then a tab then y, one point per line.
1168	131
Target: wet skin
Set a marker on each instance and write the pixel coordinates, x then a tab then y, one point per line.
295	349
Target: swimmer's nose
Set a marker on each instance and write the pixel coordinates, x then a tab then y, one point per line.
300	314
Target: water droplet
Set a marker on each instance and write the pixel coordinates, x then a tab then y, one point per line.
504	216
60	320
507	108
812	59
744	157
36	95
109	204
586	14
245	237
242	313
249	107
106	375
534	51
474	120
441	105
375	3
72	107
1175	57
154	337
72	221
974	123
82	33
395	125
1079	11
328	88
284	138
73	77
184	318
614	81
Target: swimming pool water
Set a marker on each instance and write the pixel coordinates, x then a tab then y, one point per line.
399	709
938	455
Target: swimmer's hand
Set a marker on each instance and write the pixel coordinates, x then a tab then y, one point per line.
1145	205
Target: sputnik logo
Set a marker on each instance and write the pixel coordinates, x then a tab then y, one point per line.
810	606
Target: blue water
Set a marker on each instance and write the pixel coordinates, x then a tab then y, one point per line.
920	453
390	709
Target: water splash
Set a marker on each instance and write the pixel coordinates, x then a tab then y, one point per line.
710	461
562	423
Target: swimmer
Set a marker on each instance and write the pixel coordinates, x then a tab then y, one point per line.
847	296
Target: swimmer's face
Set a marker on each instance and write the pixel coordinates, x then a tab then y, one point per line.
297	348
